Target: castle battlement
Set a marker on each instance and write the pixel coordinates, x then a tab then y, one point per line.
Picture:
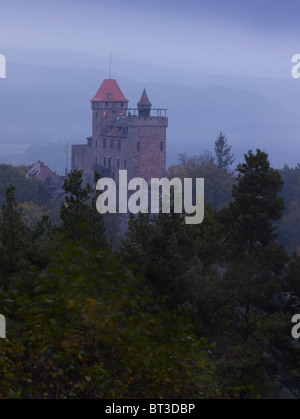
153	120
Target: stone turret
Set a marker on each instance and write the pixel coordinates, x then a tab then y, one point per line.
144	106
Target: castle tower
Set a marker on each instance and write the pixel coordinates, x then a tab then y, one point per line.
123	138
108	106
149	137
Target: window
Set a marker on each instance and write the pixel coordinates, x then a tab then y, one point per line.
125	164
96	160
96	115
161	146
138	146
118	164
104	162
119	144
106	104
111	144
104	142
109	162
126	130
110	96
122	104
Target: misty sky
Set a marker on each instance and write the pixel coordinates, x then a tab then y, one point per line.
256	37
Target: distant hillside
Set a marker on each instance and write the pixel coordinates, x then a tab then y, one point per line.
50	106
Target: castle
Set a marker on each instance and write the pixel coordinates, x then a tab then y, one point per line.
123	138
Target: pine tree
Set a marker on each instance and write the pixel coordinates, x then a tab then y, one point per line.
79	215
23	251
13	235
164	249
224	158
255	332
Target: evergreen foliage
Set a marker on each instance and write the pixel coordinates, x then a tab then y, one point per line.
224	157
179	312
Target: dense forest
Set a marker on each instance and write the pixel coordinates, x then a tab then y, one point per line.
176	311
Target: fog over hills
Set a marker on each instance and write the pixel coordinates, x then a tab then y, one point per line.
44	103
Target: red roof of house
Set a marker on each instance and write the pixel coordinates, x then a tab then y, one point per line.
109	92
144	100
40	171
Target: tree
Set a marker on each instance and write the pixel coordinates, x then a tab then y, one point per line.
289	225
255	333
13	238
162	248
218	185
257	204
224	158
79	215
194	162
90	329
26	190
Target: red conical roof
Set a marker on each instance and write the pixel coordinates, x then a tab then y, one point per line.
144	100
109	92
